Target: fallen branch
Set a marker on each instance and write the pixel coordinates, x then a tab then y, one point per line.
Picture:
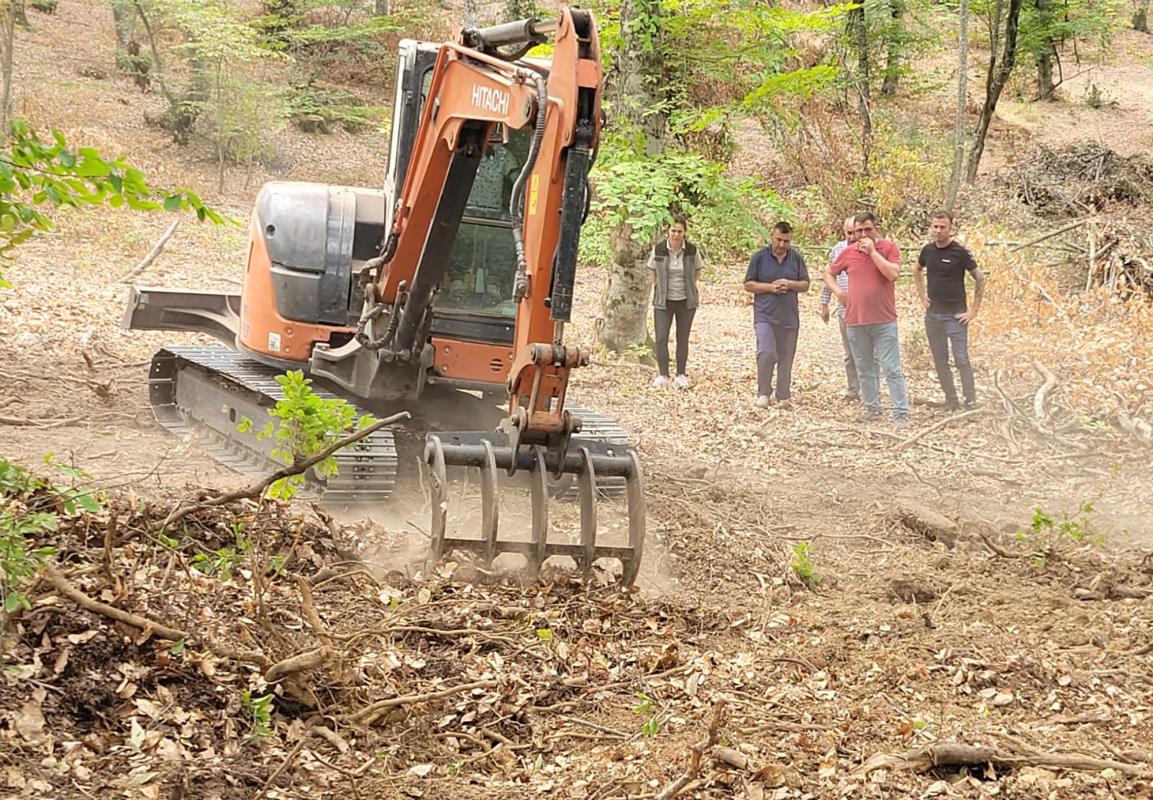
301	662
1044	237
371	713
1042	395
152	254
1002	552
955	754
937	426
298	467
694	768
69	590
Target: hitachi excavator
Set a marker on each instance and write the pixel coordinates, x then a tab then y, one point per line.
458	275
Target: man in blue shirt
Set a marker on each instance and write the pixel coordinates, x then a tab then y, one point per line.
776	276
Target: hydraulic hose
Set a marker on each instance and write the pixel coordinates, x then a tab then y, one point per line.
516	202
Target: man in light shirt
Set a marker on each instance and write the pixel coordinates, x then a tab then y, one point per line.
853	392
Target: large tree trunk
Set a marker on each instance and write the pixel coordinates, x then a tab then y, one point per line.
636	86
1141	16
962	102
624	305
859	39
894	43
1046	88
123	22
1002	57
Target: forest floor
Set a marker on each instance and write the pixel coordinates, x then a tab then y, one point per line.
927	612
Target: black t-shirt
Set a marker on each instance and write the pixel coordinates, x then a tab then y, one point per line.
946	267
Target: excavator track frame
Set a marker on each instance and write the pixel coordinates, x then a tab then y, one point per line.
209	390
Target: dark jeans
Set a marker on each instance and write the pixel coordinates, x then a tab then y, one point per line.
851	378
942	330
663	322
875	344
776	349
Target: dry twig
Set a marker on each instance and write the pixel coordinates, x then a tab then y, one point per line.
698	749
955	754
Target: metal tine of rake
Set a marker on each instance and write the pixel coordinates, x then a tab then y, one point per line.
490	512
438	478
588	501
538	488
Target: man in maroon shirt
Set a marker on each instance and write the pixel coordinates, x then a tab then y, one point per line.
873	265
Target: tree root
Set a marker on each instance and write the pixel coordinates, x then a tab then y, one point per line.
955	754
301	662
370	713
69	590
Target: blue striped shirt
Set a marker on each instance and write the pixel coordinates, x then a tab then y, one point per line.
842	281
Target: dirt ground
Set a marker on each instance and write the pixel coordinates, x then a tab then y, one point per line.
916	617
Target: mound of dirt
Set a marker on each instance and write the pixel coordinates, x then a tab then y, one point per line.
1080	179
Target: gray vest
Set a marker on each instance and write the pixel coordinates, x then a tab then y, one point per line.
691	262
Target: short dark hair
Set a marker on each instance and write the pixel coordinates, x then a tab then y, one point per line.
682	219
864	216
784	228
941	213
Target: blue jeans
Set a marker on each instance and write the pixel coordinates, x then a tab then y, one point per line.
943	330
873	344
776	349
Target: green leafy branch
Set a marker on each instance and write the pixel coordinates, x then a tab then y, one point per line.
37	177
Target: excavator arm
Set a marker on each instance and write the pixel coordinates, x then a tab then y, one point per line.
475	87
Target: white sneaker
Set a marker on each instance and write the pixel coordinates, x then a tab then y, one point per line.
681	382
763	401
661	380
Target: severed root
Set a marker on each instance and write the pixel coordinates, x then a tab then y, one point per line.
69	590
698	749
301	662
955	754
371	713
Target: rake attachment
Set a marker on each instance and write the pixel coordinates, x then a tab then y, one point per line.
588	460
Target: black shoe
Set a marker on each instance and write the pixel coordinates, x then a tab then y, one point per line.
972	405
869	416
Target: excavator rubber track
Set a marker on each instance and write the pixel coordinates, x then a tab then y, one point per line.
208	391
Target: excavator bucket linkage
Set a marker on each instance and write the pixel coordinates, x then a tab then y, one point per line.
584	458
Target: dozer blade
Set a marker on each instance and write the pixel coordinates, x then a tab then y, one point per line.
586	459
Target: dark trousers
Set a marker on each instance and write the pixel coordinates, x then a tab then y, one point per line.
853	382
943	330
663	322
776	349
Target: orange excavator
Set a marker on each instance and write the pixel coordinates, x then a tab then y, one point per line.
454	280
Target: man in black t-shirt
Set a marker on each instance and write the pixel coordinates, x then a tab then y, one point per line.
947	314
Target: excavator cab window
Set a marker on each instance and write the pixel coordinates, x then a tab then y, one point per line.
483	259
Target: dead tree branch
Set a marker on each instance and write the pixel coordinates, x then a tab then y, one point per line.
372	712
955	754
937	426
152	254
69	590
694	768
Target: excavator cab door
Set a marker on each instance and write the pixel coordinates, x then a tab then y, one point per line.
414	64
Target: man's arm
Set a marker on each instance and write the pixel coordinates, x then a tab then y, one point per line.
653	275
753	286
978	296
802	283
831	285
919	280
890	269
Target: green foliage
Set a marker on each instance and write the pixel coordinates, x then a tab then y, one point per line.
24	498
644	706
1047	534
802	565
260	715
1091	23
38	177
305	424
727	215
314	106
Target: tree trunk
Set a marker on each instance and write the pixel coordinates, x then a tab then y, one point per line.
1002	57
8	20
636	86
381	8
962	102
624	304
859	38
124	22
1047	54
894	42
1141	16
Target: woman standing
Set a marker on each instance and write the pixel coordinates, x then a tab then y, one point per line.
676	266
